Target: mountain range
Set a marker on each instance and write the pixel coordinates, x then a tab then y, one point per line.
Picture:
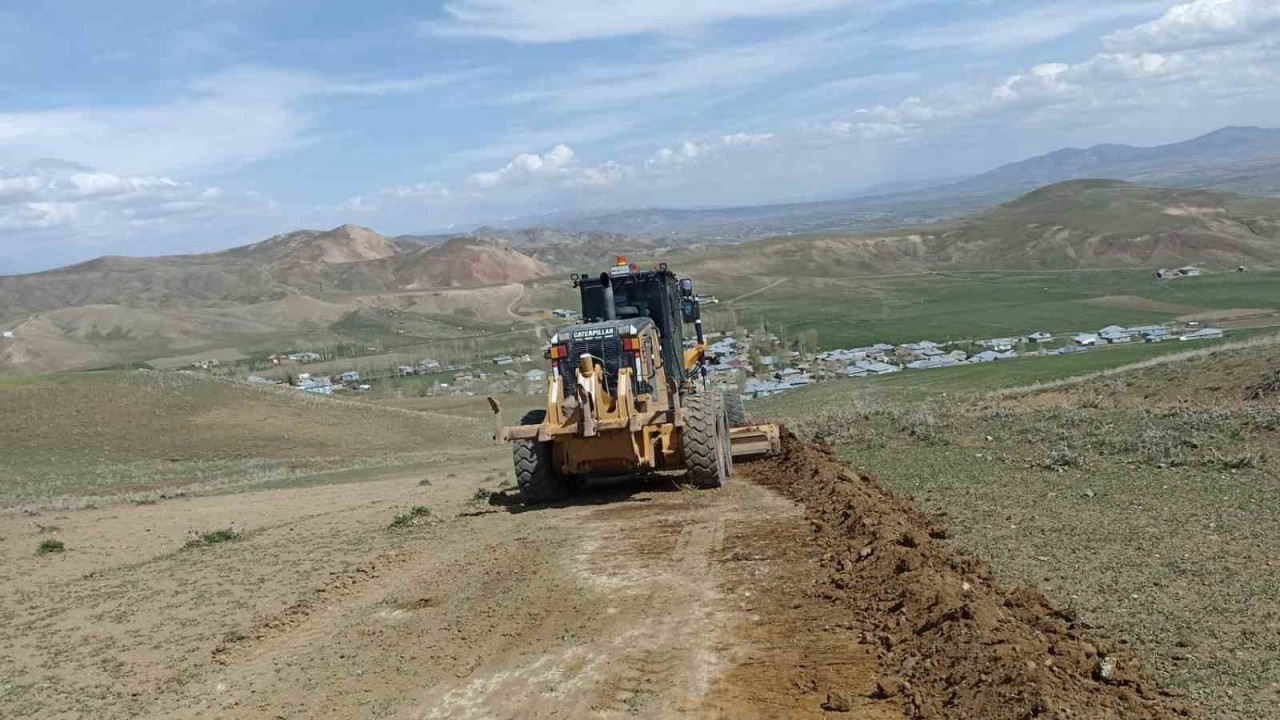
343	285
1230	159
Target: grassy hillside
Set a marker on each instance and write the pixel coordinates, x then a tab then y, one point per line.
1073	225
72	438
1143	500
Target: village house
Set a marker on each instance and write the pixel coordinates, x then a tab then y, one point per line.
1086	339
565	313
1039	337
756	388
315	386
987	356
405	371
349	376
935	361
535	376
870	367
427	365
1145	330
304	357
503	360
1204	334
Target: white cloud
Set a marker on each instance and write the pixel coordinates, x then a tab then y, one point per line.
548	21
621	85
86	203
224	121
422	190
1202	23
1028	27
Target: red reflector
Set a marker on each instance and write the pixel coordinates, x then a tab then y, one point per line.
631	344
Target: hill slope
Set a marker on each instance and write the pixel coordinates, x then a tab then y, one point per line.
348	258
1076	224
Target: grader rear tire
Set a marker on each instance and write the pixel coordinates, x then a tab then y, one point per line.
704	446
535	476
733	408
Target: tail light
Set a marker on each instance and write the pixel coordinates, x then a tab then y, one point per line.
631	344
557	352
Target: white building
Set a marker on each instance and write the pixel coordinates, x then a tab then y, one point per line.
1203	334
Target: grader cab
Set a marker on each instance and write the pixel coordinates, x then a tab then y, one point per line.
628	396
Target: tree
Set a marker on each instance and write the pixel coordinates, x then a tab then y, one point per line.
809	341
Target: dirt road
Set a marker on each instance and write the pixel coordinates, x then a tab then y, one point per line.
635	601
641	602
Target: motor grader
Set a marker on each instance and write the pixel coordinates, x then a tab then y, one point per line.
627	395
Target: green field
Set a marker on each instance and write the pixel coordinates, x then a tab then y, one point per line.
972	305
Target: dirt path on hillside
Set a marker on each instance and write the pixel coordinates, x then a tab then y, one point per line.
636	601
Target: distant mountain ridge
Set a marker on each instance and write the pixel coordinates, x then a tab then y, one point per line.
1232	159
1078	224
349	258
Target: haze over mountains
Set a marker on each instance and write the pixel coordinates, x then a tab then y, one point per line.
1234	159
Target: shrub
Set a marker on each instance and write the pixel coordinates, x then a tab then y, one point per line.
50	546
417	515
214	537
1060	458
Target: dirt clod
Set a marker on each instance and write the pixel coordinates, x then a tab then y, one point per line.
837	702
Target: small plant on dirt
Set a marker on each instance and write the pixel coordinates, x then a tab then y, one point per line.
923	426
214	537
424	482
416	516
481	496
637	701
1060	459
50	546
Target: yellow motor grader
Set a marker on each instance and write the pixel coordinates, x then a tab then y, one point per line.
627	395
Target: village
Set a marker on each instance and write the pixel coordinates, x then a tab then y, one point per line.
740	362
758	364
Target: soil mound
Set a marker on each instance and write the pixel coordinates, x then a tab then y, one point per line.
956	645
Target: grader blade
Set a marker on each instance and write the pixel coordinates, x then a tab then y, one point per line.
751	442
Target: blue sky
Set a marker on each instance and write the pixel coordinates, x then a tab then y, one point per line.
135	128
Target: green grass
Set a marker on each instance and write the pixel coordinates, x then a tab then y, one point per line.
416	516
86	436
47	547
973	305
215	537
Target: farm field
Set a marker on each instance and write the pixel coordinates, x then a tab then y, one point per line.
1141	499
